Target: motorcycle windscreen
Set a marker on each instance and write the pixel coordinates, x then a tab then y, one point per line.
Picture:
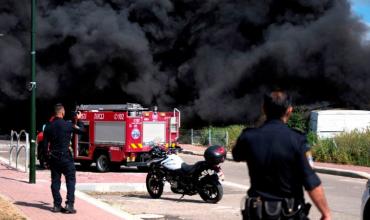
154	133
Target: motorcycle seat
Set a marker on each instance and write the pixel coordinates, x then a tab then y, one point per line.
189	169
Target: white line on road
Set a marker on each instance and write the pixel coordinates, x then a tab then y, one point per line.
235	185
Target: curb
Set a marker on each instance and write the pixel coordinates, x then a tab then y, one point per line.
104	206
115	187
111	187
319	169
341	172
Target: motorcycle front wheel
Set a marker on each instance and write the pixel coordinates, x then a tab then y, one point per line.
154	185
211	191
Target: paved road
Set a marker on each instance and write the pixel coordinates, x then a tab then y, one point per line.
343	193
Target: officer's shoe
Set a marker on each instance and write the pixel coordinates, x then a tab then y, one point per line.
69	209
57	208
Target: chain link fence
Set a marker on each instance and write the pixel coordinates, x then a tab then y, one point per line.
204	137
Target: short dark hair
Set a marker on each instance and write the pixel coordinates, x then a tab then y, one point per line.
276	103
58	107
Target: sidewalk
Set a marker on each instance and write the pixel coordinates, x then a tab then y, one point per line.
328	168
35	200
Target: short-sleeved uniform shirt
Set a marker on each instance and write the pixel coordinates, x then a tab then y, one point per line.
277	162
59	133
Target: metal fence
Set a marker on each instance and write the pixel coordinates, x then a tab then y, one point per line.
204	137
16	150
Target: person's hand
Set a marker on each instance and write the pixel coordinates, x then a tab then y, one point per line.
46	165
78	115
326	217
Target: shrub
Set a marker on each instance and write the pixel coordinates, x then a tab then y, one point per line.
234	132
298	119
312	138
347	148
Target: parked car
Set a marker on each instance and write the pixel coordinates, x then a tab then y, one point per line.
365	207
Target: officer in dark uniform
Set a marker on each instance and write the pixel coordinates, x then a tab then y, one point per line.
278	166
58	133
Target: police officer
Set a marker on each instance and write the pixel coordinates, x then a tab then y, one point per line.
278	166
58	134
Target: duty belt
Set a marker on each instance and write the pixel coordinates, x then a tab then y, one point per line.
59	153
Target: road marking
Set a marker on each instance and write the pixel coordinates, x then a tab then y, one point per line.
106	207
235	185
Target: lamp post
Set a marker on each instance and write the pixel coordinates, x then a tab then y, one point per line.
33	95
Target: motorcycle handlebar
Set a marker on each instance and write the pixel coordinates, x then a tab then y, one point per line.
160	151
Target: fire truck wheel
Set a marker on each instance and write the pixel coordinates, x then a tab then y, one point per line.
102	163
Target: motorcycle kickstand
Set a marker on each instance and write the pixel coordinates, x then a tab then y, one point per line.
182	196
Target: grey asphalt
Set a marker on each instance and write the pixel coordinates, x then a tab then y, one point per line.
343	194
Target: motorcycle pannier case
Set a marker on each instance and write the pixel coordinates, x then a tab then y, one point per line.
215	154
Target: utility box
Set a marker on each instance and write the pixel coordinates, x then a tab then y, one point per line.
328	123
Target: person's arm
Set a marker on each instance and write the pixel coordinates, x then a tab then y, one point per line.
311	181
79	126
317	195
45	146
238	150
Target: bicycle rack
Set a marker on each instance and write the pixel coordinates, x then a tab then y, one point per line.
17	147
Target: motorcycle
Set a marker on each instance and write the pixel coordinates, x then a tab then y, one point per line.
203	177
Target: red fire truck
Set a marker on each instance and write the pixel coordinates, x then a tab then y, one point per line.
122	134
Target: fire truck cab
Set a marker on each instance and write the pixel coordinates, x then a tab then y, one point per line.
122	134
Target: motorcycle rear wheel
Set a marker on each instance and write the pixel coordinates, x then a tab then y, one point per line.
211	191
154	185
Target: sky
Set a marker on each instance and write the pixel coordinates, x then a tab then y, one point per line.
362	9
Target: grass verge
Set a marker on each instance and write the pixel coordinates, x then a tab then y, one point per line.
8	211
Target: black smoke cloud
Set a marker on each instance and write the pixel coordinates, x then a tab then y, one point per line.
210	58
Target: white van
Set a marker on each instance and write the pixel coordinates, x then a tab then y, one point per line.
328	123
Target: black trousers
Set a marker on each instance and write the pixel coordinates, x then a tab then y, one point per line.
62	164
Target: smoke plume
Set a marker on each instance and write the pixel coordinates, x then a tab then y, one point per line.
210	58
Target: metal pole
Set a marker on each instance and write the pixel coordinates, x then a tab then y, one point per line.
192	136
209	136
227	138
33	95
